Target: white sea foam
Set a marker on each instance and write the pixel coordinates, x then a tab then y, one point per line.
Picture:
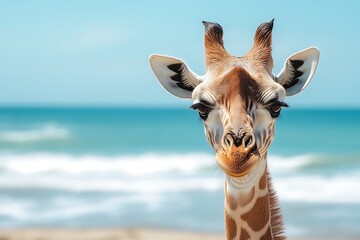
134	165
69	207
340	189
281	164
47	132
142	165
166	173
114	184
15	209
143	173
335	189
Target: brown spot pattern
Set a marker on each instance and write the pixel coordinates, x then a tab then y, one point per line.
267	235
244	235
247	197
231	202
262	183
259	215
277	225
230	226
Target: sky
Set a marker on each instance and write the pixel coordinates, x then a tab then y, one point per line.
95	53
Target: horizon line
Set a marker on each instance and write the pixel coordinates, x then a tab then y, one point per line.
122	106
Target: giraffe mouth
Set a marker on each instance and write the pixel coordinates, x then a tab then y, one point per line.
236	163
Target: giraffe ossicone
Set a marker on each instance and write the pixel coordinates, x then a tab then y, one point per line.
239	100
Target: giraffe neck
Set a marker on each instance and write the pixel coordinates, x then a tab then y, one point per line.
251	210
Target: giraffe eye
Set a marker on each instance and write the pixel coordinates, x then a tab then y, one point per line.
275	108
202	109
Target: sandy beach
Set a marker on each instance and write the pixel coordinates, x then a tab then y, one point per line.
113	234
103	234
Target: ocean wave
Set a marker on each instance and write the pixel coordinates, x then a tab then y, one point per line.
142	165
282	164
70	207
315	188
120	185
319	189
165	173
133	165
47	132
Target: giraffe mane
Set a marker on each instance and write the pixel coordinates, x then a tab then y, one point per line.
276	221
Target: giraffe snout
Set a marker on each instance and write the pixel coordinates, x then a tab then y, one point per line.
245	141
239	153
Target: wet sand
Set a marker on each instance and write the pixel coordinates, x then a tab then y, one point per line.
112	234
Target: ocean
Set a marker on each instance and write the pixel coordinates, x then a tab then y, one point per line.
123	167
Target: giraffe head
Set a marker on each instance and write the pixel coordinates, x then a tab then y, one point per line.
238	98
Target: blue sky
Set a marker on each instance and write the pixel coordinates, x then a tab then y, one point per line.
96	52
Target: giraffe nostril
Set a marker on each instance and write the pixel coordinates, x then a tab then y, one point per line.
228	140
247	140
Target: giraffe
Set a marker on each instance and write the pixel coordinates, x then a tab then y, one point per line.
239	100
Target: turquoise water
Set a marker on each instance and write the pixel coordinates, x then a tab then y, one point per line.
112	131
85	167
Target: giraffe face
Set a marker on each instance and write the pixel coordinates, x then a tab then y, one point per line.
238	98
239	112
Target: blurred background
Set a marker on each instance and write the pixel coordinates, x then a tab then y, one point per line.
89	138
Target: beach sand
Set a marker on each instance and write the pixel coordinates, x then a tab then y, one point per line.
103	234
111	234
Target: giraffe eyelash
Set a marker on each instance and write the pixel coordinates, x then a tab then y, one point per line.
202	109
282	104
275	108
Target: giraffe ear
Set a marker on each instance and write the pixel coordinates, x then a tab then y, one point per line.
298	70
174	75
